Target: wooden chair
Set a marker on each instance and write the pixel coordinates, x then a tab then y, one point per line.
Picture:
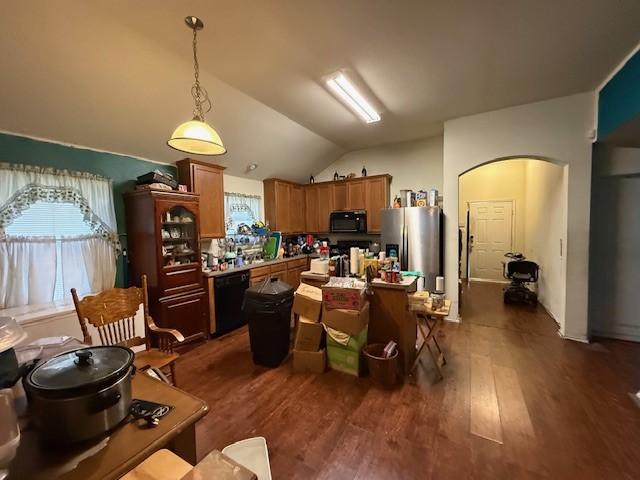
112	313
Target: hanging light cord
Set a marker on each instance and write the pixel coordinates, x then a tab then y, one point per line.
198	92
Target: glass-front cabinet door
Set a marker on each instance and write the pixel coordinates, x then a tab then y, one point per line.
179	235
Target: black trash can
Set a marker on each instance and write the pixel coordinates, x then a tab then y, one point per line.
267	309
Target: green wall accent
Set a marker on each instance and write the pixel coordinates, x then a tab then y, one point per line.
619	99
121	168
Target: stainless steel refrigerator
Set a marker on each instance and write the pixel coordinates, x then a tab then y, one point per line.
415	236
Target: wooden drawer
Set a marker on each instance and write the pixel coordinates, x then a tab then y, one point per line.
297	263
257	279
180	278
186	313
260	271
281	275
278	267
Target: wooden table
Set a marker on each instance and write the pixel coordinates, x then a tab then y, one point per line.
125	448
429	322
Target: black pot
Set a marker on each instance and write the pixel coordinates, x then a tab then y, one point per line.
81	394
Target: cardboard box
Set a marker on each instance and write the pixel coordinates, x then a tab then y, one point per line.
309	335
356	342
313	362
347	321
347	358
348	298
307	302
344	360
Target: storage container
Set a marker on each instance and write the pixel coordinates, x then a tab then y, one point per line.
267	309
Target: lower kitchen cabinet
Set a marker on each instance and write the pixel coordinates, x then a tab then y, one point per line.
186	313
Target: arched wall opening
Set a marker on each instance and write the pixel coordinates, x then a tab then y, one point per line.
516	204
555	130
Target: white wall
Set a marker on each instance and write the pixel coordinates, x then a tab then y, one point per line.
414	165
545	223
554	129
615	236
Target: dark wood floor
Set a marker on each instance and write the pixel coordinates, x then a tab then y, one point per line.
517	401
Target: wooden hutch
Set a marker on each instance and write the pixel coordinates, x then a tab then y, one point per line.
163	243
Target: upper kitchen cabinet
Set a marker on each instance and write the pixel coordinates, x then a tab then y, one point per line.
356	194
325	205
297	213
207	180
284	205
376	198
311	208
339	190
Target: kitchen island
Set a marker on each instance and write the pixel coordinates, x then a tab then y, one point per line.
389	317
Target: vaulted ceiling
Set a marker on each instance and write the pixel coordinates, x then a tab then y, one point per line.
116	74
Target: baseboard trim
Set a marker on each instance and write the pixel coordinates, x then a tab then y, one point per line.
452	319
486	280
616	336
575	339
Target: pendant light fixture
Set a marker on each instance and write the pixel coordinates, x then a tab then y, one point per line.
196	136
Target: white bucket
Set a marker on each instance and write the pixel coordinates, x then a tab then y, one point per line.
253	454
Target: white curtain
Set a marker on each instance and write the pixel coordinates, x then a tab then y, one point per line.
28	264
88	265
241	208
27	272
22	185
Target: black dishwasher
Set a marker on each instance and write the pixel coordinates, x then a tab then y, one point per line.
229	293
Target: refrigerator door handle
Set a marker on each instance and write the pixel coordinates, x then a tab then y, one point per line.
404	261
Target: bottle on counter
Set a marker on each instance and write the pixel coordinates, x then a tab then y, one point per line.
332	266
364	171
336	177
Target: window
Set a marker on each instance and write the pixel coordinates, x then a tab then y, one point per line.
240	208
47	219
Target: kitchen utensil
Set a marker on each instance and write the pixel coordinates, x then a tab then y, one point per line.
81	394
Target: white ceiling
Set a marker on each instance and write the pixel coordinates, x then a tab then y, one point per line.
116	75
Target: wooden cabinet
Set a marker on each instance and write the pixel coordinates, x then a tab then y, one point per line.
311	209
295	268
206	180
376	198
284	205
294	208
325	205
339	195
297	209
288	271
163	243
356	195
184	313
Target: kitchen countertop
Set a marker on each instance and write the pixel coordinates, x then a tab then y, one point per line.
266	263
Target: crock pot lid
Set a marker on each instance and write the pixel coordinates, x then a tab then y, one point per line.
69	371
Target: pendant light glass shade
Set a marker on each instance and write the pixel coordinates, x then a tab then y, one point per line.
196	137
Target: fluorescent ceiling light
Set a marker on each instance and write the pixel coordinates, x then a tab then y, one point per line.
342	87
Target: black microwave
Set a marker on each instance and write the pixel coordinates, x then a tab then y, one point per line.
352	221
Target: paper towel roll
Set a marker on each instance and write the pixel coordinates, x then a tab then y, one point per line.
354	264
439	284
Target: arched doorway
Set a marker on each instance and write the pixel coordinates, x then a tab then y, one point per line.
514	204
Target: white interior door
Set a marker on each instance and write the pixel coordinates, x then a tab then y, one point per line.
491	233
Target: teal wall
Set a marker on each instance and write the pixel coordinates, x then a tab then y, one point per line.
121	168
619	99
